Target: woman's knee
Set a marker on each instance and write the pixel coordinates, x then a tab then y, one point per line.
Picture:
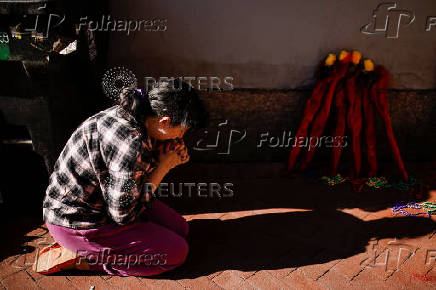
166	216
179	253
183	251
185	228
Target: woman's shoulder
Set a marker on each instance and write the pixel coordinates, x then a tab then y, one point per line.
111	111
114	114
101	121
108	118
114	123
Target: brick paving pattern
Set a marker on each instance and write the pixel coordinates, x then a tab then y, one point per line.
305	236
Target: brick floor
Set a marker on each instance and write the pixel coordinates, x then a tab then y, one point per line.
303	240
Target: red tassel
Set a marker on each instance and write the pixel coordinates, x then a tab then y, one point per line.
382	107
370	91
310	110
323	114
354	120
339	131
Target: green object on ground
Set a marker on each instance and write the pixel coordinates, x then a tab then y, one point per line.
4	51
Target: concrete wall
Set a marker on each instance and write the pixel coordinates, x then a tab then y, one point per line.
271	48
251	113
275	44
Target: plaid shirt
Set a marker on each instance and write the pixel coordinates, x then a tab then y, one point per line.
101	173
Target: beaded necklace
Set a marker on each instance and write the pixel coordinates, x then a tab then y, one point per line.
428	207
376	182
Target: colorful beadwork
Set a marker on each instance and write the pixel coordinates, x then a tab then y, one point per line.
377	182
428	207
332	181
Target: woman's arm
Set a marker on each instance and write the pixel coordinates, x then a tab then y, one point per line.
156	177
124	191
170	155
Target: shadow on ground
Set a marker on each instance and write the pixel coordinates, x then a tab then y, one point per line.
23	184
284	240
266	241
254	189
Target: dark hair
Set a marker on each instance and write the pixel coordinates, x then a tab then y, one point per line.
174	98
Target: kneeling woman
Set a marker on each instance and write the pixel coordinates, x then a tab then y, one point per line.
100	205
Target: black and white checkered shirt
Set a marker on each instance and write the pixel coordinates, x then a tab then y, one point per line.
101	174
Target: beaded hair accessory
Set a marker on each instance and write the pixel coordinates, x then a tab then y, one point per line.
115	80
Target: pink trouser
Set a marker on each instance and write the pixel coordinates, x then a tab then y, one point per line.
138	249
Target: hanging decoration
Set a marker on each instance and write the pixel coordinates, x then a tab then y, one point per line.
355	90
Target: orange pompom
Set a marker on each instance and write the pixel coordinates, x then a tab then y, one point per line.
356	57
343	54
368	64
331	59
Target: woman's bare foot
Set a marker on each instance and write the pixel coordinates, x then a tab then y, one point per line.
55	258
